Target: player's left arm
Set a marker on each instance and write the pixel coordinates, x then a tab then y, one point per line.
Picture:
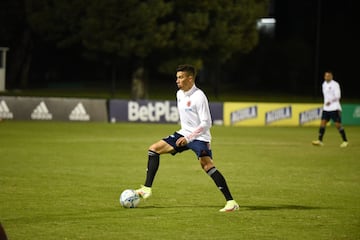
337	94
203	112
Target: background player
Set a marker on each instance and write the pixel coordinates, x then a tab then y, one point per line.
331	109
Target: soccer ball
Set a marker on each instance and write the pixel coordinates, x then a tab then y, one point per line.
129	198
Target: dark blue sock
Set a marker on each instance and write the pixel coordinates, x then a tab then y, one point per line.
152	167
220	182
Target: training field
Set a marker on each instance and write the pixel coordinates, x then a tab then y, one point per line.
63	181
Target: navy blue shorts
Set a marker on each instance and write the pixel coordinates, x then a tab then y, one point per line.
200	148
334	115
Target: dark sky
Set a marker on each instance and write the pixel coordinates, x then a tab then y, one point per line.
331	27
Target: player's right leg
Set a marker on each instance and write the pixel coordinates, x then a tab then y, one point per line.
154	152
144	192
322	128
317	143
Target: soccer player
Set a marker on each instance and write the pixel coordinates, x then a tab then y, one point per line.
194	134
331	109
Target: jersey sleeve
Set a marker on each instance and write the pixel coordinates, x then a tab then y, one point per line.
204	115
337	93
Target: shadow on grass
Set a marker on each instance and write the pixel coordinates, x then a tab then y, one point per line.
104	212
246	207
279	207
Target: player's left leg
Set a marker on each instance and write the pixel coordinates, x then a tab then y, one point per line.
340	128
209	167
204	154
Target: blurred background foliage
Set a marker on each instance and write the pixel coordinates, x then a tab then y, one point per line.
135	45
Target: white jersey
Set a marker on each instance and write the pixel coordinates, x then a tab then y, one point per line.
195	118
332	95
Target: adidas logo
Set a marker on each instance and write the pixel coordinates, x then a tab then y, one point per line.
41	112
79	113
4	111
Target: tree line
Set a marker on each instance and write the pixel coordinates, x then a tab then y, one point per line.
129	33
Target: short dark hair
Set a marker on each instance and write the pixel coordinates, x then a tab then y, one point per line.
189	69
329	71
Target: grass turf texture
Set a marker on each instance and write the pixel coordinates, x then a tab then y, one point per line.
63	181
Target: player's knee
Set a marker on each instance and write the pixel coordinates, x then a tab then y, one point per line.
206	163
155	147
152	153
161	147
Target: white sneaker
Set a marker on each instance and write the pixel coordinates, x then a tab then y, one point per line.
344	144
230	206
144	192
317	143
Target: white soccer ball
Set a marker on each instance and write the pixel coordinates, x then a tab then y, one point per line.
129	198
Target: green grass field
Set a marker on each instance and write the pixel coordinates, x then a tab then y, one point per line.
63	181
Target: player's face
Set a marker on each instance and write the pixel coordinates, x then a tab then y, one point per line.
184	81
328	76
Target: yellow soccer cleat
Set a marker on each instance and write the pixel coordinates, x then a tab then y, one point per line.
144	192
317	143
230	206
